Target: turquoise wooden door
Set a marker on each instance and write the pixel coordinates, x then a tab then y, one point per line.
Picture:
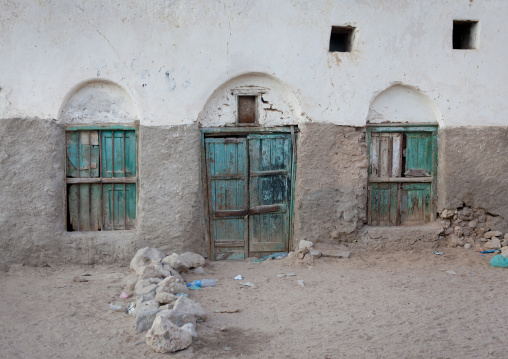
249	194
226	162
269	193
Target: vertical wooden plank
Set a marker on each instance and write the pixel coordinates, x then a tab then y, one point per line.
84	207
130	194
118	154
384	157
95	207
397	155
107	205
374	155
130	153
72	154
73	205
107	154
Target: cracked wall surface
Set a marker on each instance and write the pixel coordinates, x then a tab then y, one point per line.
32	209
473	164
331	183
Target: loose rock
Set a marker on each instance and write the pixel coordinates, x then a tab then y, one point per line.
186	305
305	244
447	213
493	243
146	256
165	298
176	262
145	315
178	318
193	260
166	337
491	234
189	327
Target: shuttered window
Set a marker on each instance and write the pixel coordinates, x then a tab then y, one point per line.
101	178
402	174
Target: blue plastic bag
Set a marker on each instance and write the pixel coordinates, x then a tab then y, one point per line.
499	261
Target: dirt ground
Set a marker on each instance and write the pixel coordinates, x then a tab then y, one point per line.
377	305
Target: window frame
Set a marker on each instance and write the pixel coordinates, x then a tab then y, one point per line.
114	181
401	181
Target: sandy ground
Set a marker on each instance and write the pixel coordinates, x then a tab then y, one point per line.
397	305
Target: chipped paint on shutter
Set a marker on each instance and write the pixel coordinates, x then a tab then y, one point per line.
402	175
94	204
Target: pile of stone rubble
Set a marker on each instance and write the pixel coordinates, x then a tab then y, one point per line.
469	227
162	306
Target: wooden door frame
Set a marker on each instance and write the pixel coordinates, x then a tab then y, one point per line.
238	131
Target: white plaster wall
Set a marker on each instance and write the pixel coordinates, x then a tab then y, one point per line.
172	55
403	104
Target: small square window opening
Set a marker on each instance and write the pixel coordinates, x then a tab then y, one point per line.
465	34
247	110
341	39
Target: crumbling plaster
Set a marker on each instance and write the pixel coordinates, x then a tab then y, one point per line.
172	55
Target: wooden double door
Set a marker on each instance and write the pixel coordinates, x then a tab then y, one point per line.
249	184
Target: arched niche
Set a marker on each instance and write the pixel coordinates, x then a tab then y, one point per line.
98	101
403	104
276	104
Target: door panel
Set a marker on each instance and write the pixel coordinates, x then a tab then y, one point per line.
249	185
415	207
270	186
226	162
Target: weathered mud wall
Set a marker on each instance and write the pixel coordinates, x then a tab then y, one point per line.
32	158
32	206
331	183
473	163
171	201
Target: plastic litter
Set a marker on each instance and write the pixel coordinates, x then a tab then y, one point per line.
196	284
438	253
248	284
116	307
184	294
86	274
228	311
278	255
238	277
124	295
450	272
130	308
489	251
499	261
281	275
290	274
301	282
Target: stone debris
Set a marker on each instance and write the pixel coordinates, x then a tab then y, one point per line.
145	257
193	260
303	244
186	305
493	243
472	227
162	305
178	318
165	298
166	337
176	262
491	234
191	328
